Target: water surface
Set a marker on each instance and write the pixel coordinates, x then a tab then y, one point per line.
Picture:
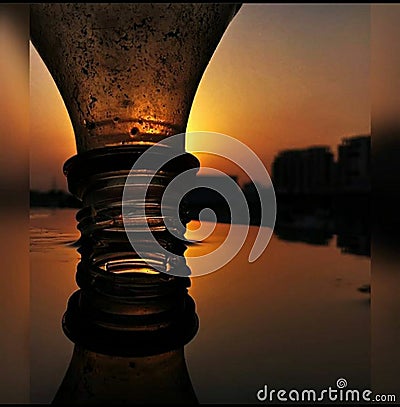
293	319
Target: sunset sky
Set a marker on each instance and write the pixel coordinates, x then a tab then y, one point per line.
283	76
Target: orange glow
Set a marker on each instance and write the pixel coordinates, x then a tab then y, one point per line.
52	136
282	77
287	77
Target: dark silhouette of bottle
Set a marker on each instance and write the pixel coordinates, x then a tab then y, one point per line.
94	377
129	353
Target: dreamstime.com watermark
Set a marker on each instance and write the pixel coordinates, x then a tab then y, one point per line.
331	394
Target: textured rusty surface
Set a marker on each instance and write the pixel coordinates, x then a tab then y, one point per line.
127	72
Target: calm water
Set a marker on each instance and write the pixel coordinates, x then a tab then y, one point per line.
294	319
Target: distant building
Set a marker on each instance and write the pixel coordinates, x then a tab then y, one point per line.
313	170
305	171
353	168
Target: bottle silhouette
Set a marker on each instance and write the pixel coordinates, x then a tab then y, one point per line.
93	377
121	358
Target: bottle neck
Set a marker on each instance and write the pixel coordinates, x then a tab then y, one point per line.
98	178
126	313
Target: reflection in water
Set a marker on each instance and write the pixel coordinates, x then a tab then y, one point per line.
313	219
317	221
292	319
129	324
98	378
129	351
